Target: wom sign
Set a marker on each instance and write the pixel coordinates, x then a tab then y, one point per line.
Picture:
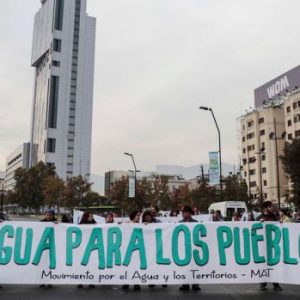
277	87
223	252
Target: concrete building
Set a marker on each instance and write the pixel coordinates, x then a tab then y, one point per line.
292	115
111	177
17	159
63	51
258	157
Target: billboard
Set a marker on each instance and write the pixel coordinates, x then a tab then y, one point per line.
277	87
131	187
214	168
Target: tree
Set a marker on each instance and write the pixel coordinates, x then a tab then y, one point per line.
235	189
75	192
291	165
203	196
28	190
53	189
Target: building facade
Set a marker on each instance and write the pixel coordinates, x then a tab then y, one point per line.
262	131
17	159
63	51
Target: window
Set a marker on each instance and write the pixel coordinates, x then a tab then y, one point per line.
253	184
297	133
251	147
53	102
244	139
265	183
263	145
288	109
262	132
56	63
250	135
290	136
57	45
245	173
263	157
51	145
264	170
295	105
252	160
244	150
244	161
289	122
252	172
59	13
261	120
250	123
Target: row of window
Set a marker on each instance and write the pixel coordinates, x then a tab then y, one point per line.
253	183
295	105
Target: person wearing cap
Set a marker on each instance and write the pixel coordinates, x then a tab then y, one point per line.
49	216
187	213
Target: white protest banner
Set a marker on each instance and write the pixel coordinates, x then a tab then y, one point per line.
185	253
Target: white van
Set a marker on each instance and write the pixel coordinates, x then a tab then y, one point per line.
227	208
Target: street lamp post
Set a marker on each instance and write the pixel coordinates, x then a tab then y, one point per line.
135	171
273	136
220	150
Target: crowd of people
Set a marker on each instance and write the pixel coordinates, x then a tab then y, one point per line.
268	213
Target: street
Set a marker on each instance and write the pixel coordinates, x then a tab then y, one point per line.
225	292
238	291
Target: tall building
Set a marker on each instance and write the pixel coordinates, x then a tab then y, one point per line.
275	120
63	51
258	157
17	159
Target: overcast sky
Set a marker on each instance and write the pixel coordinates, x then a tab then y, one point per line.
157	61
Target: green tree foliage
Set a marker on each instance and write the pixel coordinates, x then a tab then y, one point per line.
75	192
53	189
291	164
28	191
235	189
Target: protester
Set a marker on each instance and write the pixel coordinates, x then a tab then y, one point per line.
49	216
67	218
173	213
285	216
187	213
134	219
268	215
135	216
155	211
109	218
217	216
250	216
147	217
235	217
87	218
195	210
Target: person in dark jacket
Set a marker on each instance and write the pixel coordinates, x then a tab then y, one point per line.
87	218
187	213
268	215
67	218
49	216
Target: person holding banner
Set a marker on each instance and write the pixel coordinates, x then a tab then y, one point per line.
109	218
87	218
155	211
187	213
268	215
49	216
134	219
